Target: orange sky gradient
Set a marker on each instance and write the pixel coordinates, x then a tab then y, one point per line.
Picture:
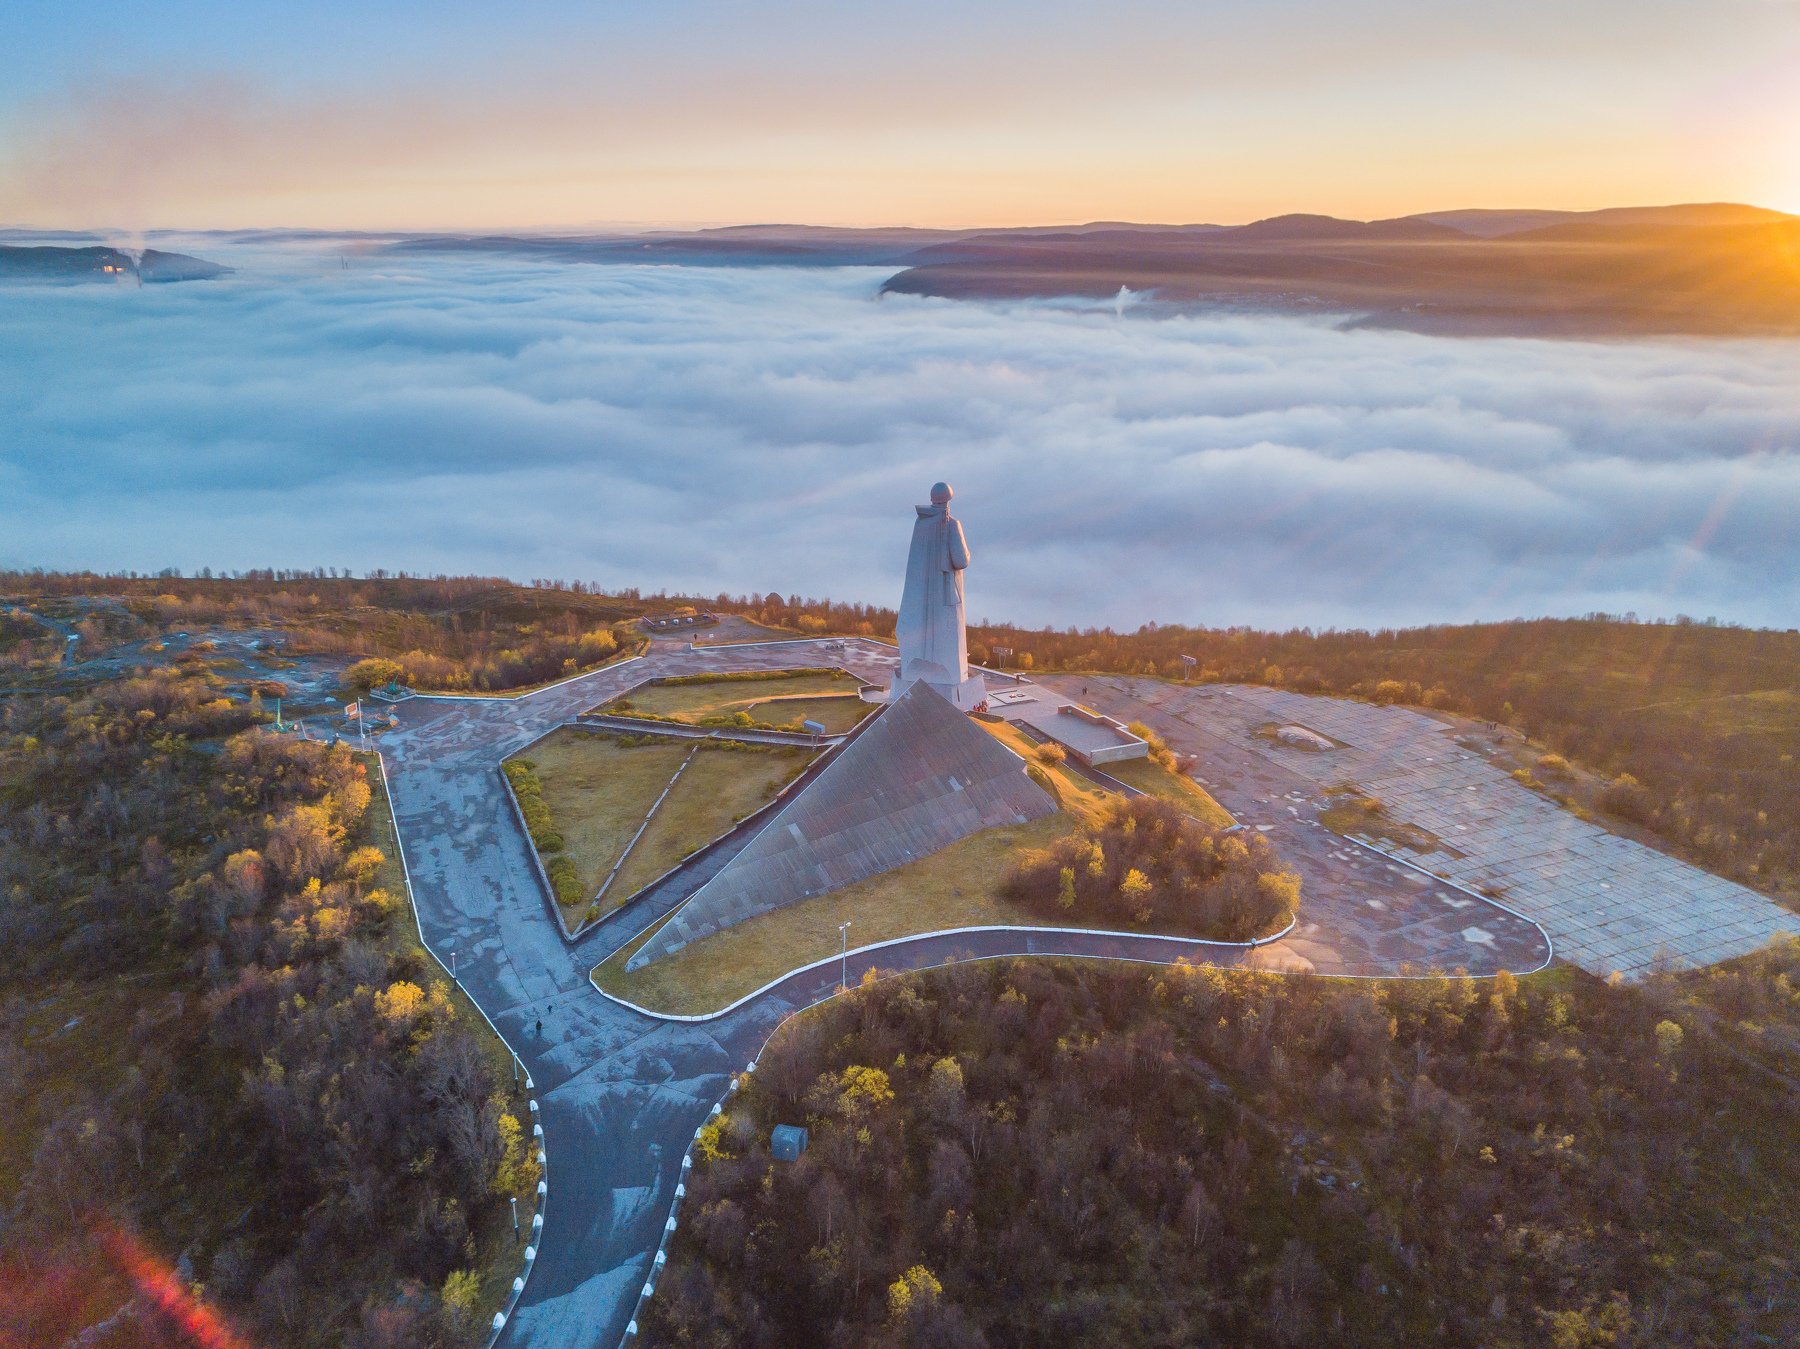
834	115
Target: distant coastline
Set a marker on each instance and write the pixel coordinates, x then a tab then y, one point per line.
1699	270
57	263
1708	269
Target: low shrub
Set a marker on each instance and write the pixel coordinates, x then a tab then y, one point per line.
1148	864
564	879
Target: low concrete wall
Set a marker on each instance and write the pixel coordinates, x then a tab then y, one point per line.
752	735
1119	754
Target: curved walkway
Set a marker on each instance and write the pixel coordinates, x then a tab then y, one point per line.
929	950
620	1092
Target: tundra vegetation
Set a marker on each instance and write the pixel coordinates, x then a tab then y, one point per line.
247	1070
1694	727
1032	1152
230	1071
449	634
1148	865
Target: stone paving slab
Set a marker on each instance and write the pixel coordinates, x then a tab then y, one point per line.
1608	902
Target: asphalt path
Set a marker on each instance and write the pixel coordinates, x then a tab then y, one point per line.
620	1092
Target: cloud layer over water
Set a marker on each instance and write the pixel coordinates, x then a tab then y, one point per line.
721	429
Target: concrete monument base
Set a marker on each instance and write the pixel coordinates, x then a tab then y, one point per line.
967	696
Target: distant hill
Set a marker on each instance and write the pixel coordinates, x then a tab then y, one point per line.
731	246
1701	268
50	263
158	266
1491	224
1723	270
98	263
1330	229
767	245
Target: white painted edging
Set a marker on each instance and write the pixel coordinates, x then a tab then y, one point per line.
621	664
952	932
609	723
543	1193
1549	944
574	723
527	693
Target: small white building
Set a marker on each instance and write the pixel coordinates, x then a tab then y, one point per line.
1090	737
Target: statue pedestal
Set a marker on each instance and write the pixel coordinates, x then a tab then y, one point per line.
967	696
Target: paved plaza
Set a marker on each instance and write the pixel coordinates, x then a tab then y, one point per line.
621	1093
1608	903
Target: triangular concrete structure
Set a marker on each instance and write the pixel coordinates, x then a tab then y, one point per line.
917	779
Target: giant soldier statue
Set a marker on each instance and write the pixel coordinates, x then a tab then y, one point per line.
934	643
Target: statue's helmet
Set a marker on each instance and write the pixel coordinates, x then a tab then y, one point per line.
941	494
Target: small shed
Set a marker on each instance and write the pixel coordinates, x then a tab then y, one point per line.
787	1142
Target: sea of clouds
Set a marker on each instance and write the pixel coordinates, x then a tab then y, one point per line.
707	429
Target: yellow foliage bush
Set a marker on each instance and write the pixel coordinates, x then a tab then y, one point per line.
863	1089
400	1002
708	1144
916	1289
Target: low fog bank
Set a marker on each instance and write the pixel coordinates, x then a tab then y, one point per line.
709	429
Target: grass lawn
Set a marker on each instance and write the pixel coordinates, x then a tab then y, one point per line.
957	887
499	1259
599	790
1152	778
764	700
719	788
836	712
1082	798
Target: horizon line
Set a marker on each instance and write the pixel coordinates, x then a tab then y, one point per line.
694	226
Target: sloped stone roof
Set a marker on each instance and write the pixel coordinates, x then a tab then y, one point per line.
921	777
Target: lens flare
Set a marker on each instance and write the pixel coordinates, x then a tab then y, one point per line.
170	1302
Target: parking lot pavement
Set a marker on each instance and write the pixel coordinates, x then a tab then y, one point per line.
1608	903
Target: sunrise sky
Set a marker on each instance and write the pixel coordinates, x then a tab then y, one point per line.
452	114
